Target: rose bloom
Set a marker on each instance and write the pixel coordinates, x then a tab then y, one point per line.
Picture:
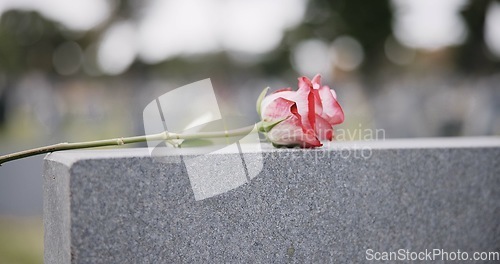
308	114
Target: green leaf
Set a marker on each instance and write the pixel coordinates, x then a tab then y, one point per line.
284	146
261	97
266	126
276	145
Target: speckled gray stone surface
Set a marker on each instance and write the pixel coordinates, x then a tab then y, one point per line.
306	206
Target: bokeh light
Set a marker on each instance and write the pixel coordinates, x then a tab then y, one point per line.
311	57
75	14
492	29
429	24
348	53
117	49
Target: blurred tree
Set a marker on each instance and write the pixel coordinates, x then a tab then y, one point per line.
27	41
3	104
369	22
473	56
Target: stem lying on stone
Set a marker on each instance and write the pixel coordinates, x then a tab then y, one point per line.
125	140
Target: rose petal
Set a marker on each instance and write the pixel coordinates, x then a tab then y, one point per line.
309	113
304	81
288	89
290	131
323	129
309	137
266	102
278	109
333	92
306	104
332	112
316	82
318	105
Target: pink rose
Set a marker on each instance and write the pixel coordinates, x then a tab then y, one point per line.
302	117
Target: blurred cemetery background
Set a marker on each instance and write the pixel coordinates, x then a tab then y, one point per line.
84	69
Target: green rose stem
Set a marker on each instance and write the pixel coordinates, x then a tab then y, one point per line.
126	140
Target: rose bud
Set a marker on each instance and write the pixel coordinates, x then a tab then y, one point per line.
300	118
